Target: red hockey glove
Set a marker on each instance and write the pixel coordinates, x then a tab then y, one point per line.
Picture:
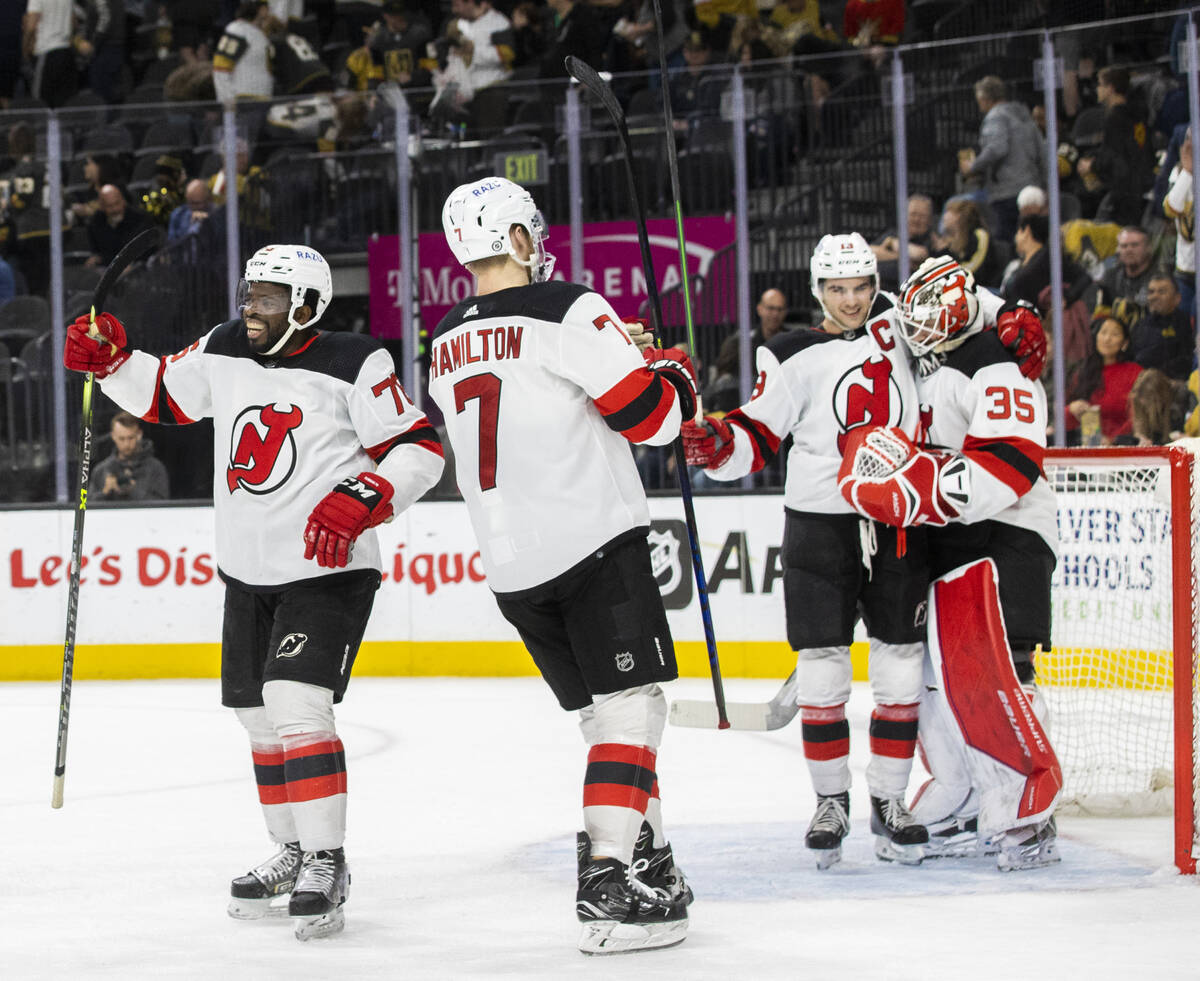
676	367
1020	330
885	477
639	331
103	352
353	506
707	444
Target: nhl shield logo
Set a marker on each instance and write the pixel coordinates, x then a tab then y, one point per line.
625	661
668	562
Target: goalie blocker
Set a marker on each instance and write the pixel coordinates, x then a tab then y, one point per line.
978	729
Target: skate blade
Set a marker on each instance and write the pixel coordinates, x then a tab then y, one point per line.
613	937
1019	860
257	909
887	850
826	857
325	925
965	845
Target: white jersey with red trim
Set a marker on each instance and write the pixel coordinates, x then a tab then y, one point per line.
981	404
542	392
286	430
816	387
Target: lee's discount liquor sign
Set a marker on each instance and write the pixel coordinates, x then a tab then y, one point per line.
612	266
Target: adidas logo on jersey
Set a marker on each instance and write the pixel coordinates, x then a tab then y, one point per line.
471	311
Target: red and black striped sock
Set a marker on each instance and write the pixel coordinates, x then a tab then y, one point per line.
617	786
826	735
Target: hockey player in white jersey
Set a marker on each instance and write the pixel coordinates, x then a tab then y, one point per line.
819	386
316	442
978	487
543	392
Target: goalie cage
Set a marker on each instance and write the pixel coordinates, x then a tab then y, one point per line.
1120	679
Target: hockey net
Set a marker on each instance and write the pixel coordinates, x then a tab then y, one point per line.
1120	678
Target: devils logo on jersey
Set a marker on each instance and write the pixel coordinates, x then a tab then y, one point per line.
262	451
866	394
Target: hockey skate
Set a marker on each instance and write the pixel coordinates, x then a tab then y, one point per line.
1031	847
661	870
956	837
263	891
898	838
621	912
830	824
319	893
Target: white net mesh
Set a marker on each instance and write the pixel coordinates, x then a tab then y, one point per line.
1109	679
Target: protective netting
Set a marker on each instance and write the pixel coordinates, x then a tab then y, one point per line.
1109	679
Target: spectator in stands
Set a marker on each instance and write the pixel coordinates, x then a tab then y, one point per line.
192	23
47	45
11	15
1103	382
965	236
716	19
1125	279
690	96
869	22
530	38
1179	205
241	62
113	225
296	68
1163	337
192	82
1155	418
1033	275
577	31
189	216
103	44
1124	161
724	393
633	45
1032	201
131	473
920	241
477	47
1010	153
393	49
98	170
8	282
807	34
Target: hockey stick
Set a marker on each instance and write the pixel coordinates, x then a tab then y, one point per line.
133	249
590	80
752	716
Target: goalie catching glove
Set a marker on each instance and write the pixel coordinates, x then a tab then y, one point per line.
353	506
708	443
675	366
101	352
1020	331
884	476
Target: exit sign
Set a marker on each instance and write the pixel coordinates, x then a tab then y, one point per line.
525	167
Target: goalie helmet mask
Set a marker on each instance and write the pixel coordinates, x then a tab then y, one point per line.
842	257
938	306
300	269
477	219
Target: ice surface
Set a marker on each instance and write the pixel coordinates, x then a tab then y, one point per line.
464	801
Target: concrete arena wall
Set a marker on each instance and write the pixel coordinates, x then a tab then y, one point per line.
150	603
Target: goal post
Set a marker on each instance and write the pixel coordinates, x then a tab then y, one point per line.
1120	678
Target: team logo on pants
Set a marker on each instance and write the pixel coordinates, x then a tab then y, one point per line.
262	448
667	563
291	645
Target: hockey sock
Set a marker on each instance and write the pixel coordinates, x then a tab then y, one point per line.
893	734
616	792
826	735
314	767
272	790
654	817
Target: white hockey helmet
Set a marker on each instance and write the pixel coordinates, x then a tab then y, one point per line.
938	305
477	218
297	267
841	257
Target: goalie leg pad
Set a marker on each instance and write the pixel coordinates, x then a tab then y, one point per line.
1013	767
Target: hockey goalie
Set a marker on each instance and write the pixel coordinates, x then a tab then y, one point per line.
976	485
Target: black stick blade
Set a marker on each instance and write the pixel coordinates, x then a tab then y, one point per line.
590	79
134	249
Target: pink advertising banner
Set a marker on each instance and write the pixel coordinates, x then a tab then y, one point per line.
612	266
